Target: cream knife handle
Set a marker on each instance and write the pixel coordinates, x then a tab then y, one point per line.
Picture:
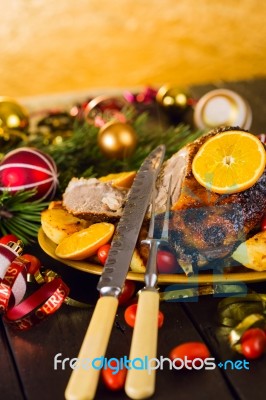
140	384
83	382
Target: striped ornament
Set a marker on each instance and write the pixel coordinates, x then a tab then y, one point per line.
28	168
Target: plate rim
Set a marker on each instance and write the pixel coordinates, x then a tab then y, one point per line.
48	246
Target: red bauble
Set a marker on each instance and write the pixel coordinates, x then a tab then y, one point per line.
28	168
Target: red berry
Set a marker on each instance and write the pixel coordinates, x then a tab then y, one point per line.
253	343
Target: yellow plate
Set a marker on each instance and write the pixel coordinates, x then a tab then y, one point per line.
203	278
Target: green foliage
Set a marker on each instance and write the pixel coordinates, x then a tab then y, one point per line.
20	215
80	156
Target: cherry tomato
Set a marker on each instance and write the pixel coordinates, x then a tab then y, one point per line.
8	238
187	352
35	263
166	262
113	377
127	292
263	223
130	316
253	343
102	253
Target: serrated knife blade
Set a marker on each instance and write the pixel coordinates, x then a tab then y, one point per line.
83	382
127	231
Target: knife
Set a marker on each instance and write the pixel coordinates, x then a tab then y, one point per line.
83	381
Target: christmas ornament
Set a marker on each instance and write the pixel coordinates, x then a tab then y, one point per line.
147	96
103	109
26	168
222	107
174	101
13	115
117	140
56	126
10	139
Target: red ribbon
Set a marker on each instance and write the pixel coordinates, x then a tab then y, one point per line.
45	301
34	309
7	298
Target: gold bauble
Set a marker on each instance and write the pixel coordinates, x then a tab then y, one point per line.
13	115
117	140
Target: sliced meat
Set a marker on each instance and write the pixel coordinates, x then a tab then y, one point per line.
93	200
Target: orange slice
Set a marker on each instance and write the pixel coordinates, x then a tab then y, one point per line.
86	242
120	180
229	162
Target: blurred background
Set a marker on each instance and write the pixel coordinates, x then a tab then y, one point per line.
63	46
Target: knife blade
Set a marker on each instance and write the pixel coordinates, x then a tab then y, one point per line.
83	381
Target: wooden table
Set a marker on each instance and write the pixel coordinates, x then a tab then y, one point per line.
27	358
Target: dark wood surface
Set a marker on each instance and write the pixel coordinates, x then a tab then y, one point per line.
27	358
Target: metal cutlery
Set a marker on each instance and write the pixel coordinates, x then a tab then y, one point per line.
83	382
140	383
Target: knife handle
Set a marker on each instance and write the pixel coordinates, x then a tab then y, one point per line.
140	384
83	382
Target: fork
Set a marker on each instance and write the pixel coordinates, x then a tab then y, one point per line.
140	383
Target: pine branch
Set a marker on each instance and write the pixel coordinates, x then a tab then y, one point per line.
20	215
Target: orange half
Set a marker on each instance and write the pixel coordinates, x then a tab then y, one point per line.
86	242
229	162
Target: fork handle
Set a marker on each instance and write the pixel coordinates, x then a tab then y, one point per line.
83	382
140	384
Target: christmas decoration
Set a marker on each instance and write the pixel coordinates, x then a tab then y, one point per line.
26	168
117	140
20	215
103	109
174	101
13	115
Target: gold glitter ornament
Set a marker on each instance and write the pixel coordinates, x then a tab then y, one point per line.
13	115
117	140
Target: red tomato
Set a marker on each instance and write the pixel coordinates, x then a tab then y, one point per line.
102	253
8	238
130	316
263	223
35	263
187	352
253	343
127	292
113	377
166	262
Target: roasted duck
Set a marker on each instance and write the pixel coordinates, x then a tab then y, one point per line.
204	226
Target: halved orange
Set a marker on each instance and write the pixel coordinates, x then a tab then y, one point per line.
229	162
120	179
86	242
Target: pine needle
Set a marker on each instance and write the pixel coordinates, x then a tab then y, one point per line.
20	215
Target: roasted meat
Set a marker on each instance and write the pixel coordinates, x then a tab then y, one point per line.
205	226
93	200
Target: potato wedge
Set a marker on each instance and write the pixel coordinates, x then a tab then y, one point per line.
137	264
252	253
57	224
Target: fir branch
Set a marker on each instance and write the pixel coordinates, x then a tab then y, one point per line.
20	215
79	155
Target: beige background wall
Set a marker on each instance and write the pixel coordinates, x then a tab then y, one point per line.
50	46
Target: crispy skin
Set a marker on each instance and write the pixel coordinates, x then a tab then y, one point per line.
252	201
205	226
